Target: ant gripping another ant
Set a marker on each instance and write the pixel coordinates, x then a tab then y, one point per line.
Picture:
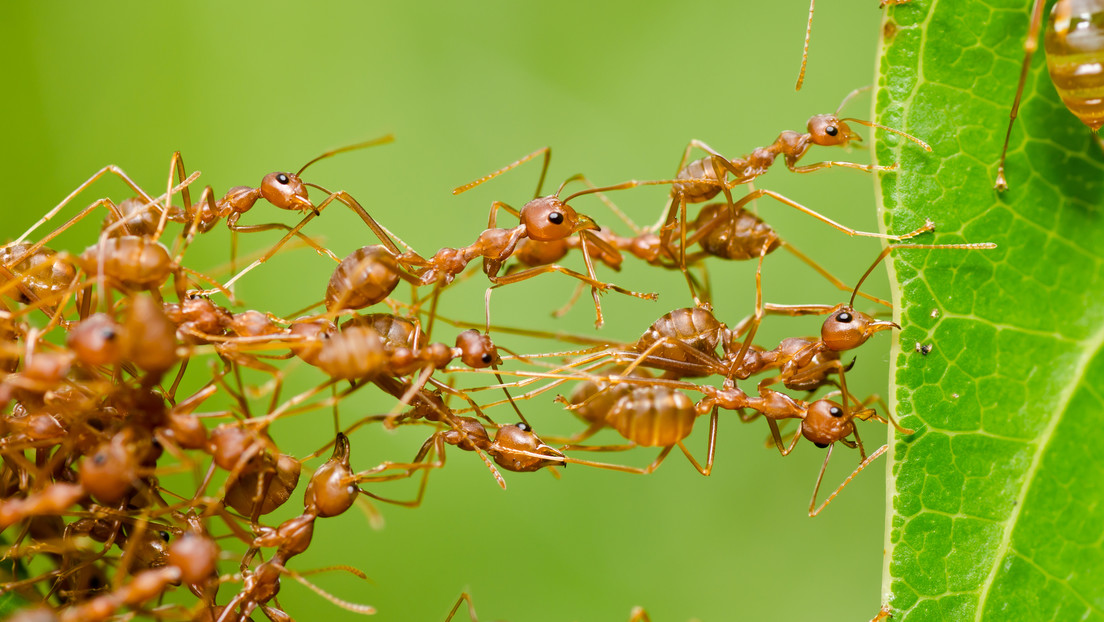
547	219
701	180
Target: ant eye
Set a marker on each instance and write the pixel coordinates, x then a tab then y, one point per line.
844	317
109	334
831	130
487	359
835	411
99	459
556	218
164	535
524	427
283	178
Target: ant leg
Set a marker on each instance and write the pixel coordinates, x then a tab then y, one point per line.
293	231
344	604
621	467
590	273
464	596
1031	43
928	226
617	211
639	614
111	168
599	286
413	503
812	503
492	215
829	276
759	311
712	447
562	311
347	199
340	196
309	241
176	165
106	203
816	166
884	613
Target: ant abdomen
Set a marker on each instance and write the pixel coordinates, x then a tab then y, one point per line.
265	485
740	236
43	273
367	276
1073	44
696	191
512	440
469	434
132	260
653	416
351	354
693	328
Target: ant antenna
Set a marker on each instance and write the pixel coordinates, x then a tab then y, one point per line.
547	151
847	98
914	139
805	50
382	140
887	250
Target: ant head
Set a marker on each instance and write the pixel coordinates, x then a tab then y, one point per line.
847	328
108	473
229	443
517	448
196	555
312	333
476	349
97	340
826	422
286	191
548	218
331	490
152	549
828	130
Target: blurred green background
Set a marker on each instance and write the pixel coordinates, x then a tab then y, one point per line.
617	89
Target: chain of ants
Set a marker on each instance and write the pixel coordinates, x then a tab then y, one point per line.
97	344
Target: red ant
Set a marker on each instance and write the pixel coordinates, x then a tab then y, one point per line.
824	130
544	219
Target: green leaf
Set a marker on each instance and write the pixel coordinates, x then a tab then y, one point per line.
996	499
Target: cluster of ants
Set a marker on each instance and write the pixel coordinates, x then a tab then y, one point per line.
97	345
